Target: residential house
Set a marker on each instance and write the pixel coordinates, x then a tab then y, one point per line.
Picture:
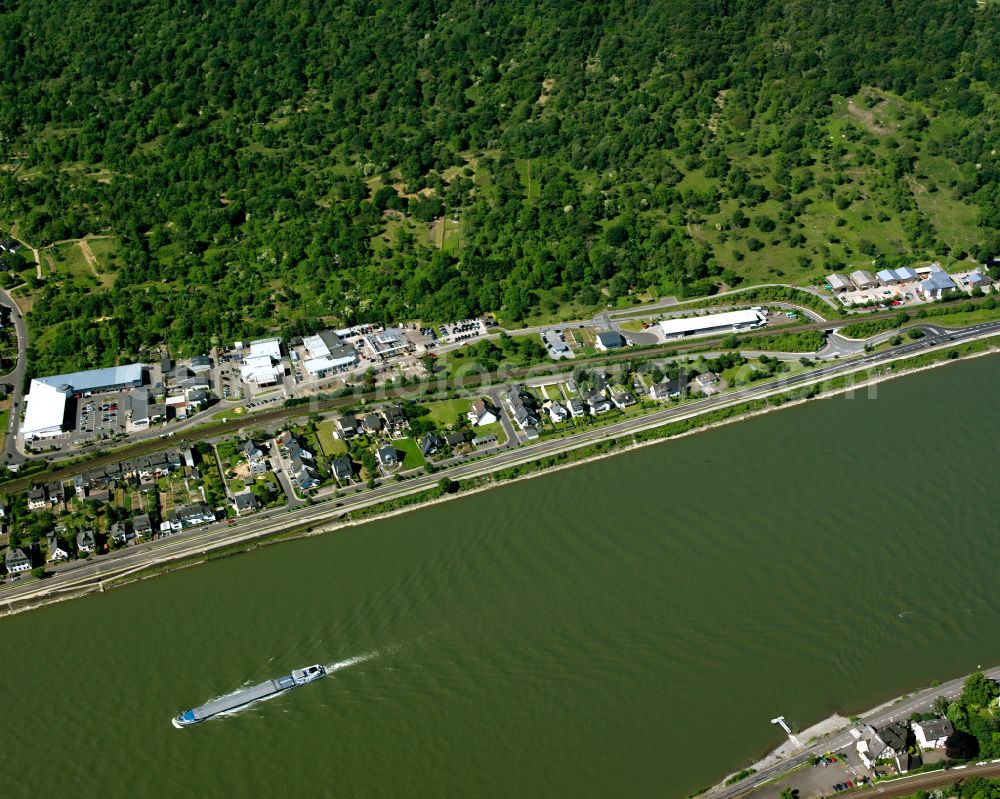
884	743
430	443
255	459
166	528
577	408
977	280
56	492
665	389
709	382
142	525
482	413
609	340
86	541
372	423
347	426
386	455
521	404
244	502
79	487
342	468
57	550
251	451
530	432
302	474
18	559
455	439
622	399
932	734
37	498
557	412
120	534
598	403
290	448
194	514
395	418
99	496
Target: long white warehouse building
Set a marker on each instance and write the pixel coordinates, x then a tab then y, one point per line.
728	322
45	403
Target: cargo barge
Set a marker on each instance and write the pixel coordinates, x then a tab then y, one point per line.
248	696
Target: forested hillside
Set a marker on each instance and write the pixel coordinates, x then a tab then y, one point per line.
242	165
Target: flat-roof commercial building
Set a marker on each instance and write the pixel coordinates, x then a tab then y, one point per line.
45	403
322	344
337	359
728	322
271	347
387	343
260	370
262	366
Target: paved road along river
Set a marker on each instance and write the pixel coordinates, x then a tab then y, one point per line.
625	628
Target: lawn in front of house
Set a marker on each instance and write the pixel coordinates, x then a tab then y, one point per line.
446	412
412	456
325	432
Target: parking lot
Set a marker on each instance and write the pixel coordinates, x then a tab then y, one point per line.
100	416
832	775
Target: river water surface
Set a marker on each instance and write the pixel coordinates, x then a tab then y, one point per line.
625	628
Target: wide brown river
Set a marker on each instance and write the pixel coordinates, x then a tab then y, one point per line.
622	629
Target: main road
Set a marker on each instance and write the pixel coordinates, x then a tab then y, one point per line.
16	378
76	574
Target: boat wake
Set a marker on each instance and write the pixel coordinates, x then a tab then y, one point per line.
352	661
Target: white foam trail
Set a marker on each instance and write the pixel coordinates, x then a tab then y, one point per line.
352	661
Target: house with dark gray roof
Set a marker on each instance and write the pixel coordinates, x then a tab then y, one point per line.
372	423
244	502
665	389
347	426
395	418
142	525
342	468
521	403
386	455
932	734
37	498
18	559
430	443
56	548
455	439
598	403
622	399
195	513
86	541
609	340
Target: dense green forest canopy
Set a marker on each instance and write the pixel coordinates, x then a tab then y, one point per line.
258	163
